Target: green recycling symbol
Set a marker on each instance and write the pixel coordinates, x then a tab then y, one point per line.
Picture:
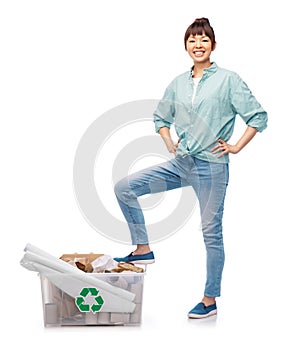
89	295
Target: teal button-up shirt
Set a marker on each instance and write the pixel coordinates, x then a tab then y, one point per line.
220	95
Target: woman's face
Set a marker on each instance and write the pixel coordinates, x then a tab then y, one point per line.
199	47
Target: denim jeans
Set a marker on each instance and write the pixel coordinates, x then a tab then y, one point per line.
209	181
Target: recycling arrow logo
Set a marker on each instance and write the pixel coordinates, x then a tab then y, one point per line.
89	300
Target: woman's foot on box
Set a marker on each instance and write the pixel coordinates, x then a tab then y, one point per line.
146	258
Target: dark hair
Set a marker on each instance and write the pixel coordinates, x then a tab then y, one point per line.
200	26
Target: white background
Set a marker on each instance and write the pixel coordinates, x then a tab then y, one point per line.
64	63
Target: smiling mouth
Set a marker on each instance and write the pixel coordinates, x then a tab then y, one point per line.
198	53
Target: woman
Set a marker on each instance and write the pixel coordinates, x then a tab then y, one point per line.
202	104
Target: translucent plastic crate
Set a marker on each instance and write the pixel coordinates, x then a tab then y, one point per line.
67	302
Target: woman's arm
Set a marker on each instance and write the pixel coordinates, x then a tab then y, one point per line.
226	148
164	132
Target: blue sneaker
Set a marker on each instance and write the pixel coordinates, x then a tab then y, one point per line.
201	311
147	258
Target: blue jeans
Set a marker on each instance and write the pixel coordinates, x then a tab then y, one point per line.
209	181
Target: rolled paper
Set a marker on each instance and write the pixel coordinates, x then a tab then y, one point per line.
72	286
34	255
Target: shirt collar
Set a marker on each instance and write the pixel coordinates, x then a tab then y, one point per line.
212	69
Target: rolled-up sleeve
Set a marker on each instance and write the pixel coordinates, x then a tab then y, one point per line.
165	111
245	105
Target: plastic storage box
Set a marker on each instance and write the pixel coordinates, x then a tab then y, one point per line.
68	301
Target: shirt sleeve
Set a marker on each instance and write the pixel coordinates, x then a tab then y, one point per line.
246	105
165	111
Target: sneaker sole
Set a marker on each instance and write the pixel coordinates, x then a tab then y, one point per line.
198	316
143	261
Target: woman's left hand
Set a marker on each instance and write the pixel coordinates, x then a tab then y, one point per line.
224	148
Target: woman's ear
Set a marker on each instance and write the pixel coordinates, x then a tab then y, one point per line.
214	47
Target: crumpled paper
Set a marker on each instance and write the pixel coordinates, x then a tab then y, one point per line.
97	263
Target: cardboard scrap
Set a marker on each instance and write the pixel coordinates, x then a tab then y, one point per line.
81	260
84	262
122	266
